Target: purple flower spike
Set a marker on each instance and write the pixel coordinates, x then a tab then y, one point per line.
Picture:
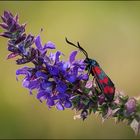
64	84
19	43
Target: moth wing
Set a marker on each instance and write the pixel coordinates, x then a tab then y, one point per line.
104	82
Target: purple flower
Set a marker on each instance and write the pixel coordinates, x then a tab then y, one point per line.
130	105
84	114
68	104
60	83
43	49
54	71
62	74
40	74
41	94
10	23
54	80
72	75
101	99
50	102
19	43
72	56
47	86
61	87
25	71
59	106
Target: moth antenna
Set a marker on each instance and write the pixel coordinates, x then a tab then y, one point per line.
70	43
84	52
77	46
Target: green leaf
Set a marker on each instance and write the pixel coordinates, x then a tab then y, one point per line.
85	101
138	108
90	110
86	90
75	101
94	109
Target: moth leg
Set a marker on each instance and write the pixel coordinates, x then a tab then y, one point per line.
90	70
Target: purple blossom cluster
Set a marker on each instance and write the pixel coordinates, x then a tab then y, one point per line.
60	83
19	43
54	79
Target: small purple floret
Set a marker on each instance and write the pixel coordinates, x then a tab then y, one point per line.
131	105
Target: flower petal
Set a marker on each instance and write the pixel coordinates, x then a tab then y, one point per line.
54	71
25	83
68	104
85	77
38	43
57	55
65	66
71	78
131	105
50	102
59	106
40	94
61	87
49	45
33	84
41	75
47	86
72	56
23	70
12	55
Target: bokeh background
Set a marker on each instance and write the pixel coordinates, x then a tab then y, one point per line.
109	31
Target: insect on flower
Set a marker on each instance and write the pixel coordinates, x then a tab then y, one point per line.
104	82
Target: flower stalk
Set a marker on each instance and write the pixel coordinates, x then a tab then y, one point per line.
60	83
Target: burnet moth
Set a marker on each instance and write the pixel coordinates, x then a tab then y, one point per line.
104	82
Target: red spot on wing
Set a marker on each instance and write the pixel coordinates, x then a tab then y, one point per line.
105	80
105	84
97	69
100	81
109	90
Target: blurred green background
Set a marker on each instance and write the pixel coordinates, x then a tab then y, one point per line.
109	31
